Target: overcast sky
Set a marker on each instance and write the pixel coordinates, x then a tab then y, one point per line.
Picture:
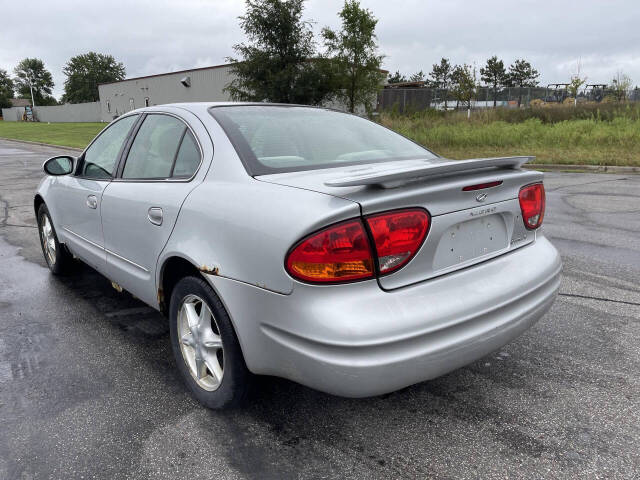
158	36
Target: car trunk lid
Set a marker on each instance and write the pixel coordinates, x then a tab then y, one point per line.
468	226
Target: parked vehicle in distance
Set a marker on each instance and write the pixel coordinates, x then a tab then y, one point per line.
304	243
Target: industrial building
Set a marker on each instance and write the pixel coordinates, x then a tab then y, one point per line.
194	85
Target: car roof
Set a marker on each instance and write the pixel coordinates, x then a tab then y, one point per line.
200	109
200	105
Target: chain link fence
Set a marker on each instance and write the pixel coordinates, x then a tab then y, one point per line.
406	100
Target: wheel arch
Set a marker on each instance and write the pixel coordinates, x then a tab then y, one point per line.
172	270
37	201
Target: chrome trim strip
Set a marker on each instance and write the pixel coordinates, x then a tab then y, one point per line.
126	260
105	250
82	238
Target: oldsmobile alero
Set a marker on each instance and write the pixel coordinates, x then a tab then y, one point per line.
303	243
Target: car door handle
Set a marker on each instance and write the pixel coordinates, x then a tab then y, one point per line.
92	201
155	215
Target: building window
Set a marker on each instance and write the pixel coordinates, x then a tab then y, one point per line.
108	106
146	101
131	104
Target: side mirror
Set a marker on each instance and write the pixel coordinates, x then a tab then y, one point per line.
62	165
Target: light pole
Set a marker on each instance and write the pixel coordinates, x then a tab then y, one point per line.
33	103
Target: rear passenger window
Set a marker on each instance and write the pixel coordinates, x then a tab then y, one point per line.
154	149
188	158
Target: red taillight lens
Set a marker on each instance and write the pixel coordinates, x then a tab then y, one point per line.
397	236
532	200
336	254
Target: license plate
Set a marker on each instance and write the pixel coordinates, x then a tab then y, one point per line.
470	240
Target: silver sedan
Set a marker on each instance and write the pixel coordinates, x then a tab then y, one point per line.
303	243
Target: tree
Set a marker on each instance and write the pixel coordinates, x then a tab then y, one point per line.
464	84
399	78
620	86
396	77
575	83
522	74
417	77
278	64
441	77
84	73
355	55
574	86
6	89
494	75
31	72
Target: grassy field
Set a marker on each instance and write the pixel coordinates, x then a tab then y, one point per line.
65	134
609	137
597	134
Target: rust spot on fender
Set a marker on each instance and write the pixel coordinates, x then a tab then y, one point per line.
209	270
162	305
160	296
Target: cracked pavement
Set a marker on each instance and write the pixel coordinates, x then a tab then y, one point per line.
88	387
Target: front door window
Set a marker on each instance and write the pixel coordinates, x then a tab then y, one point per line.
100	158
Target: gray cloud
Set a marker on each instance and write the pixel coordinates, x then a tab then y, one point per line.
158	36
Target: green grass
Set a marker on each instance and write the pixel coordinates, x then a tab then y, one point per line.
587	135
586	141
65	134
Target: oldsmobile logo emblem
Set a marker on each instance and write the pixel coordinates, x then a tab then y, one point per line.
481	197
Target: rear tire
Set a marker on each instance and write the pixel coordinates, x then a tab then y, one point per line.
205	345
58	258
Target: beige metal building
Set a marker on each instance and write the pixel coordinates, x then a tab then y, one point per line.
194	85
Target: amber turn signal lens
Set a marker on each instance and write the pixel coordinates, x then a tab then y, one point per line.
336	254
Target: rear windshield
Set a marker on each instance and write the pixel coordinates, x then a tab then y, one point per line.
278	139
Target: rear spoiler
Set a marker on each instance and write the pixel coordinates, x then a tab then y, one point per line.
389	175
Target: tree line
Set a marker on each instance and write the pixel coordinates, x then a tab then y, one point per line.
462	80
84	73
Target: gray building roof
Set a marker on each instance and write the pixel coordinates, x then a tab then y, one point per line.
224	65
20	102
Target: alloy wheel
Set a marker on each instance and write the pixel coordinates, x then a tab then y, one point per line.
200	342
48	239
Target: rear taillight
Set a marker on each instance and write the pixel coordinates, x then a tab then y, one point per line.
397	236
339	253
481	186
342	252
532	200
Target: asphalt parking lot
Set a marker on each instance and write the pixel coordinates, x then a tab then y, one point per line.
88	387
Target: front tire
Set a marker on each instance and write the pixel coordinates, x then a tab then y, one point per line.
58	258
205	345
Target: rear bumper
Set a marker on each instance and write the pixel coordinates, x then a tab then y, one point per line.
357	340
